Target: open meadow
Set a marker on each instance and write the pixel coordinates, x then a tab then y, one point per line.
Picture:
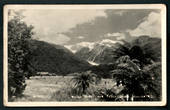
56	88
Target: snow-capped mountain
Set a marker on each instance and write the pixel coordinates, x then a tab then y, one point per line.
78	46
95	52
99	52
108	42
91	45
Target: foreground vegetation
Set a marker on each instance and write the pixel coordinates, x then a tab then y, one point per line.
59	88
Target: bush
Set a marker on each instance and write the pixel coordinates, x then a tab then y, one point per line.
69	93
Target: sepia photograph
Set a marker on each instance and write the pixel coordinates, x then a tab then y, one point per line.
85	55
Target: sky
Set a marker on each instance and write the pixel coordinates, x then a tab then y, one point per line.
72	26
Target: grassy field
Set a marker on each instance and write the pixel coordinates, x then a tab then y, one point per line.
56	88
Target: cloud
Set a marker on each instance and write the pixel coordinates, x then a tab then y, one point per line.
57	39
113	23
113	34
60	20
80	37
116	35
150	26
89	24
49	22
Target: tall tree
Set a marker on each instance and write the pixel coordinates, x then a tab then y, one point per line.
19	33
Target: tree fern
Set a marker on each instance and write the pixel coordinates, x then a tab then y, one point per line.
136	81
82	81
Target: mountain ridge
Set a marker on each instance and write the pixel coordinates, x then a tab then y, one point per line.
104	54
53	58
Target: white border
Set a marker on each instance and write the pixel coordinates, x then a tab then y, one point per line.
162	7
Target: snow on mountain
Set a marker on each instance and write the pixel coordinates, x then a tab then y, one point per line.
70	48
91	45
107	42
78	46
92	63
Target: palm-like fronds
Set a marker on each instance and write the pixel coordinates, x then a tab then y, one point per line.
136	81
83	81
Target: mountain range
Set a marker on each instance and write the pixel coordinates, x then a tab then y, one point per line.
95	56
100	52
103	52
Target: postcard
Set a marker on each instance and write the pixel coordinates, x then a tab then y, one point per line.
85	55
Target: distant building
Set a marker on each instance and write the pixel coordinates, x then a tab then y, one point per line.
42	73
45	74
